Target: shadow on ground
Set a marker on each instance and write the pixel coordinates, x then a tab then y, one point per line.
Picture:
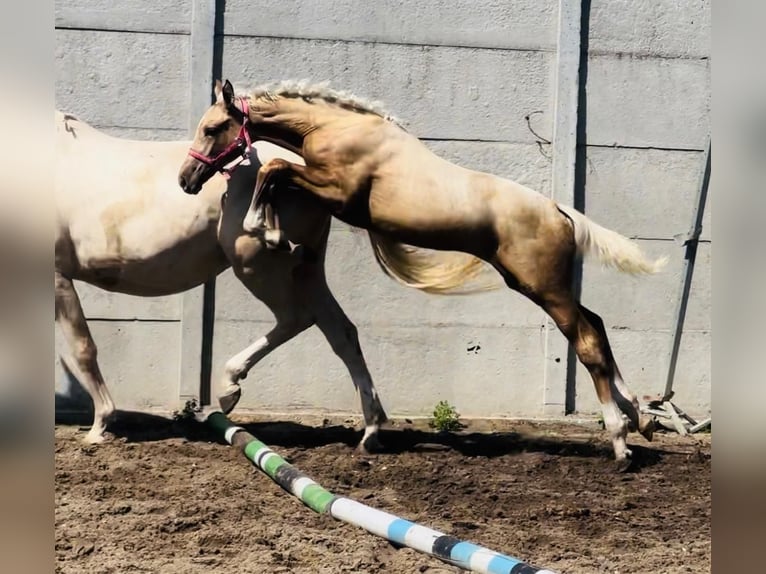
132	426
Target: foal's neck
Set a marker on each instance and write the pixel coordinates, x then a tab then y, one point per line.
290	114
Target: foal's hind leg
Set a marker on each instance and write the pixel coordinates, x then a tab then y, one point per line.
549	285
343	337
81	359
586	332
626	400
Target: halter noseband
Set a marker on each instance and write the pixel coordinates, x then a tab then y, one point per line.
241	145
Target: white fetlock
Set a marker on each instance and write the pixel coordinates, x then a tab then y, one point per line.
254	221
95	437
274	238
370	442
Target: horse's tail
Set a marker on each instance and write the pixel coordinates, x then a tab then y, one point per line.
610	247
440	272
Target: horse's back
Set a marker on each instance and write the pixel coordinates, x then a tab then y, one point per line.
120	210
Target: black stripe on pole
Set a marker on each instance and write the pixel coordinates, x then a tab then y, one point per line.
443	546
286	476
524	569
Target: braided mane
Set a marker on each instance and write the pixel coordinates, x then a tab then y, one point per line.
321	91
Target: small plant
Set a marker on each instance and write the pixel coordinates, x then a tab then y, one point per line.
445	417
187	413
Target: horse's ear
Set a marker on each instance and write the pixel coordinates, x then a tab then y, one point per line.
218	90
228	92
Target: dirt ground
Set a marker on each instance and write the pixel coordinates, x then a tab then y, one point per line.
167	497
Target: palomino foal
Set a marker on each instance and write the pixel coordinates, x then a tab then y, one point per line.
371	173
123	226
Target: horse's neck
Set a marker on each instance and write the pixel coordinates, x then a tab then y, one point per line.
285	121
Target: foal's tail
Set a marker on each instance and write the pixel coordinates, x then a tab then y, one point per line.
440	272
610	247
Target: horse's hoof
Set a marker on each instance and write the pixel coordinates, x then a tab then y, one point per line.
625	464
96	438
370	445
229	400
648	429
298	251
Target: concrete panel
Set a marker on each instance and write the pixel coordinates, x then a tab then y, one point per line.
146	134
371	298
659	27
93	81
413	368
648	102
440	93
649	302
139	361
100	304
645	193
643	359
166	16
514	24
523	163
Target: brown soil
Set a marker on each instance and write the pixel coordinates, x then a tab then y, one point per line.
167	497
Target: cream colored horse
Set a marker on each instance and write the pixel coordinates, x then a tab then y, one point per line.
371	173
123	226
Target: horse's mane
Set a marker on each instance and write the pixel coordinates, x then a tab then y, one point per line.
321	91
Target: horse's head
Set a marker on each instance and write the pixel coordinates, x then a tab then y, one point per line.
221	138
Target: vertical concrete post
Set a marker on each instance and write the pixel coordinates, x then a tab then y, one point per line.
563	181
196	314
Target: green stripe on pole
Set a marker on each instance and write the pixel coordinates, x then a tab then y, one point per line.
314	496
252	447
317	498
272	464
219	422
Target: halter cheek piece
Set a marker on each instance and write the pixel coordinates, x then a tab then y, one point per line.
241	146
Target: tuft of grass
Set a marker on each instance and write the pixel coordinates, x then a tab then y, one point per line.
187	413
445	417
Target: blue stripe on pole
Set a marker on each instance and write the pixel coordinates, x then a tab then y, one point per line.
445	547
502	565
462	552
397	530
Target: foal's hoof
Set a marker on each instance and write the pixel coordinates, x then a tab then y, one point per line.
299	251
229	400
275	239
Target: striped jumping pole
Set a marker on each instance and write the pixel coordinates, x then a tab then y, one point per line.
447	548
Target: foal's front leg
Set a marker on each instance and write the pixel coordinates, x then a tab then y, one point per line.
313	180
256	219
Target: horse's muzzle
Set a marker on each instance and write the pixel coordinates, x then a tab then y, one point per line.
187	186
193	175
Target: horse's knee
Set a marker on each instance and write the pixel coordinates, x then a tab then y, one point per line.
589	350
86	352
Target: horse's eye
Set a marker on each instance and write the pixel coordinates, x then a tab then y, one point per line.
215	130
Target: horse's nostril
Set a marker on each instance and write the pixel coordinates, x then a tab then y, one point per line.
182	182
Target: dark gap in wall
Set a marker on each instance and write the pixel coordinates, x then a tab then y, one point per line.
220	8
208	298
581	160
208	326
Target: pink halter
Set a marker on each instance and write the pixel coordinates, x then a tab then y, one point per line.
241	146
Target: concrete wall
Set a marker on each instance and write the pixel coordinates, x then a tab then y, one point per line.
125	71
463	75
